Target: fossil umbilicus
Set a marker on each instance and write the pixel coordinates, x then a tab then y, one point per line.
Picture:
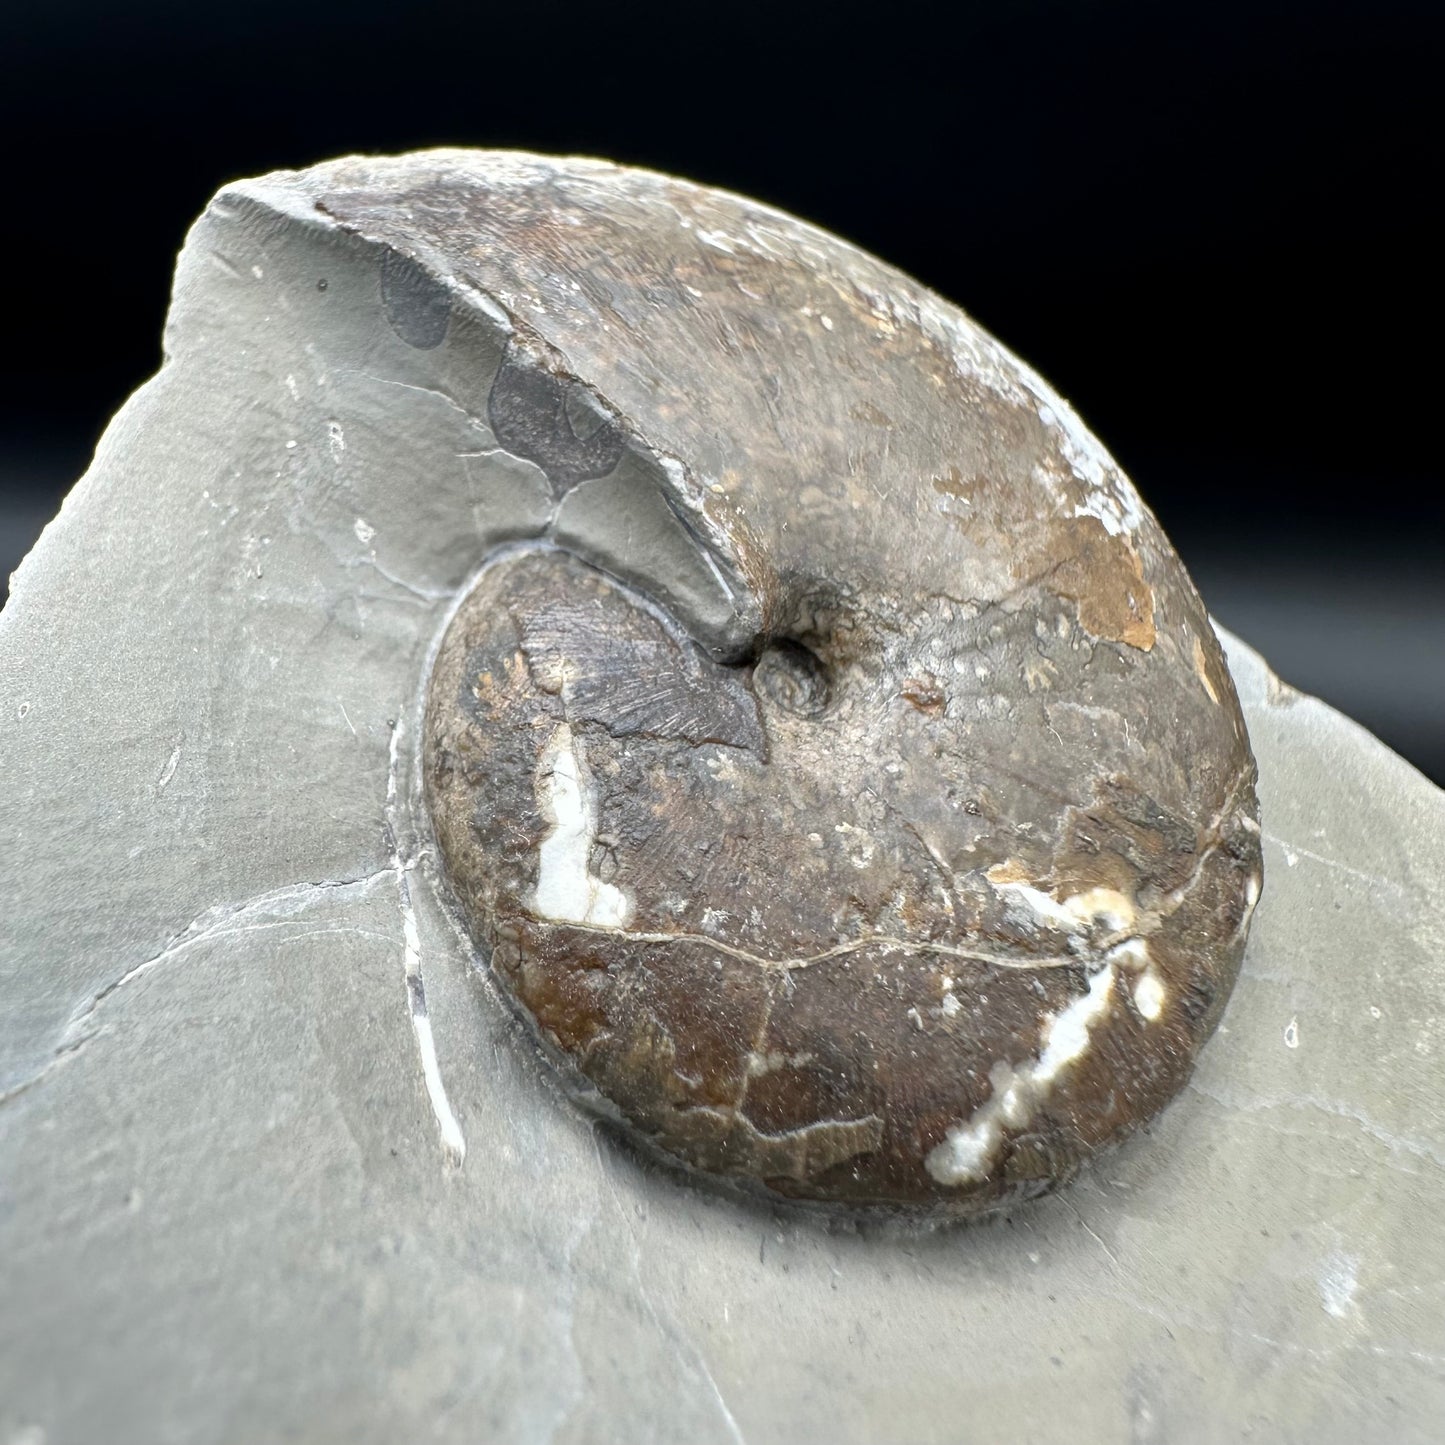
839	770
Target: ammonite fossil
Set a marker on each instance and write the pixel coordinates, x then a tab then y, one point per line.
840	772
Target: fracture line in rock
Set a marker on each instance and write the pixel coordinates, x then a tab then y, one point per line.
451	401
219	922
855	945
62	1055
1294	852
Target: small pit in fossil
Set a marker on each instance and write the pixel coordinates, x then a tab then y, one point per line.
793	676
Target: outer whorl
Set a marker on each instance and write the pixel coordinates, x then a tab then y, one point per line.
838	769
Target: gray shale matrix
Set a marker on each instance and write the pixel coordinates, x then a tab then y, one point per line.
277	1162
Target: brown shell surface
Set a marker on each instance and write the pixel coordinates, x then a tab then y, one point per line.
847	781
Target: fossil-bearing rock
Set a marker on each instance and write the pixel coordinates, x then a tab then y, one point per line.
258	1181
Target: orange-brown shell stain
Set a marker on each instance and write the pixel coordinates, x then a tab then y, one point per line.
1102	575
1201	669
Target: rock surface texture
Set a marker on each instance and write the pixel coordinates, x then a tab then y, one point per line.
277	1160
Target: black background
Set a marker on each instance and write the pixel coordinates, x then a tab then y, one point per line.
1207	224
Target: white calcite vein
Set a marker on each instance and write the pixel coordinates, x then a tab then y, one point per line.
967	1152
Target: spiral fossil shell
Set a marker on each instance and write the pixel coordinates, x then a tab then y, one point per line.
839	770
